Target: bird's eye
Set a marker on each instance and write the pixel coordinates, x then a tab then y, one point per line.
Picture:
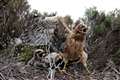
40	55
84	30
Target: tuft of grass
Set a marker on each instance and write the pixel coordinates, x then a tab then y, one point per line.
26	51
26	54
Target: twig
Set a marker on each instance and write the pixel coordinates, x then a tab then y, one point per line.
115	70
4	68
117	77
69	74
106	68
3	78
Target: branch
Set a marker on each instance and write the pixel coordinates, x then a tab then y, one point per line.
114	69
64	25
2	76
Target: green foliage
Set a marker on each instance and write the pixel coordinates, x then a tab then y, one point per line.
99	28
46	14
26	51
103	38
100	22
12	19
116	23
91	13
26	54
108	21
35	13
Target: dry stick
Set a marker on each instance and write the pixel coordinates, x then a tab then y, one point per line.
69	74
106	69
64	25
117	77
3	78
3	68
21	78
73	76
115	70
